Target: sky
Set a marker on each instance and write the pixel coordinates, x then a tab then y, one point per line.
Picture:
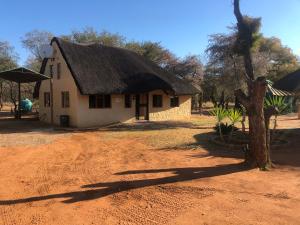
183	26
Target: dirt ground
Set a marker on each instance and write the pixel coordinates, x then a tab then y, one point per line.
144	174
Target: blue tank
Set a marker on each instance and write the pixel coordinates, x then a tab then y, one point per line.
26	105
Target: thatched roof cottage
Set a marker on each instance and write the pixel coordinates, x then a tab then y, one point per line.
94	85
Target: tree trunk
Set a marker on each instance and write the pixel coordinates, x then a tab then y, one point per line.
1	95
254	102
257	128
268	114
222	100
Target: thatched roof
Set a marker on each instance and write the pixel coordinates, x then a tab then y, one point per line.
290	82
99	69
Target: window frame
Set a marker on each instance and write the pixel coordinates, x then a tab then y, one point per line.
65	99
51	70
157	101
58	70
173	103
47	99
127	101
99	101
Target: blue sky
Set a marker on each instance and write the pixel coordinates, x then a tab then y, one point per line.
183	26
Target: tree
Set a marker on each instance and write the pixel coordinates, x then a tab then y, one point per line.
33	41
8	60
254	100
280	59
90	35
270	59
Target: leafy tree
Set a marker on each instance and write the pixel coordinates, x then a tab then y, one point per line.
270	59
8	60
90	35
33	41
279	60
247	38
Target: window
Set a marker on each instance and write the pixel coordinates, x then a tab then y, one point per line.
51	70
174	101
99	101
65	99
47	99
127	101
58	70
157	101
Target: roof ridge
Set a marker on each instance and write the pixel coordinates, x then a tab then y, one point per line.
88	44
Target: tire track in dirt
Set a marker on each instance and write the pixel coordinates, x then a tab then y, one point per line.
88	156
156	205
7	216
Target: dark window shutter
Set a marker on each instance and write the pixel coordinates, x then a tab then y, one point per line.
157	101
127	101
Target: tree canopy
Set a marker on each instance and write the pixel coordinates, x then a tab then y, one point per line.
8	58
225	65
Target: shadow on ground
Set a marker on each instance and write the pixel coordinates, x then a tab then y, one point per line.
11	125
99	190
203	141
286	154
151	125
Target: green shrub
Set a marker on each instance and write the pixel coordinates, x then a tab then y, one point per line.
225	128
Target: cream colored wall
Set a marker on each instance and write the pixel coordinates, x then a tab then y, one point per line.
169	113
65	83
94	117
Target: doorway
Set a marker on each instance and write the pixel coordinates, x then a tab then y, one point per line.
142	106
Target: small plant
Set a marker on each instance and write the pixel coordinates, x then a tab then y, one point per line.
220	114
235	116
225	128
279	102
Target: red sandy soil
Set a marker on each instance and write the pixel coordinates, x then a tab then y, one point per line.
127	176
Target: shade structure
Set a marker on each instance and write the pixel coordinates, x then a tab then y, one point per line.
290	82
22	75
277	92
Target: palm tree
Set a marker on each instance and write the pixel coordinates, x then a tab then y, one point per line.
234	115
278	102
220	114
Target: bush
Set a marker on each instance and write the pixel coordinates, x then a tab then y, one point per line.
225	128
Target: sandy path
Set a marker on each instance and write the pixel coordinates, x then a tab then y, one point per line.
88	178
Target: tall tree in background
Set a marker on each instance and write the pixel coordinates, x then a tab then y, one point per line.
8	60
33	41
270	59
254	100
